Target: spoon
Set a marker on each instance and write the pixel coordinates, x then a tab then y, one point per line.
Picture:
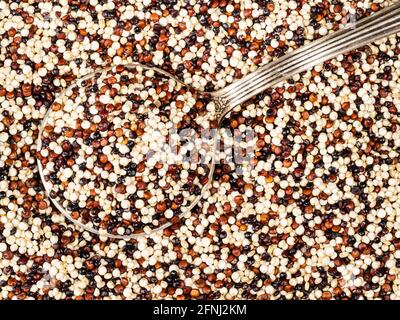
365	31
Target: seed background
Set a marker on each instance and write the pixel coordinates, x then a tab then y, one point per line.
308	222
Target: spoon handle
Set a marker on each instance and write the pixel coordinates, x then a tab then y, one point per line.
379	25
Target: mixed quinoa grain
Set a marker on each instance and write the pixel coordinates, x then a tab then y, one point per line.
315	217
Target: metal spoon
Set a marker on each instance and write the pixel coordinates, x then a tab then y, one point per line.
365	31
